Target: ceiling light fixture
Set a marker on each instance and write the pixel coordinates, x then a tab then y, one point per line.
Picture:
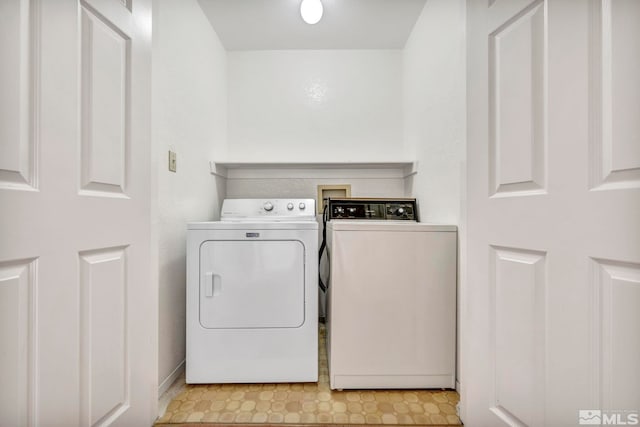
311	11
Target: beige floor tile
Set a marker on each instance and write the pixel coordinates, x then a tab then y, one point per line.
373	419
340	418
438	419
179	417
440	397
244	417
324	418
227	417
211	417
195	417
259	417
324	406
202	405
217	405
431	408
405	419
354	407
453	419
276	418
308	418
356	419
447	409
421	419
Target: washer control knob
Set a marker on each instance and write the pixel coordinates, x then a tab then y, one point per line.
268	206
400	211
290	206
302	206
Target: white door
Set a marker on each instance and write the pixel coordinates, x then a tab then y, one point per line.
553	212
77	307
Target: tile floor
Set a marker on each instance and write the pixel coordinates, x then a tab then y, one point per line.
308	403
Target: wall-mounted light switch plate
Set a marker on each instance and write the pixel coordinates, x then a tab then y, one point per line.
172	161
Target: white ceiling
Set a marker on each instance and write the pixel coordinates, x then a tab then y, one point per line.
346	24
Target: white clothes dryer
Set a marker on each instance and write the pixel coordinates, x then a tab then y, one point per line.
252	307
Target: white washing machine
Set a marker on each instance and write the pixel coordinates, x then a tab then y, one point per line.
391	301
252	307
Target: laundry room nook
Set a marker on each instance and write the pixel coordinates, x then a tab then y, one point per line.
319	212
265	107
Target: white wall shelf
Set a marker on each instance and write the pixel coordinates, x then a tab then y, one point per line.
391	169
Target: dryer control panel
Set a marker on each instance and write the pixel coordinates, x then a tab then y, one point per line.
375	209
268	209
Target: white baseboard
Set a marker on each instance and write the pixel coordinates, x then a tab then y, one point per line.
170	388
164	386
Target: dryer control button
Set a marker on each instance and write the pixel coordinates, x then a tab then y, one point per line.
290	206
268	206
302	206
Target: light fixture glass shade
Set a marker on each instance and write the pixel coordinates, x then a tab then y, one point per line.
311	11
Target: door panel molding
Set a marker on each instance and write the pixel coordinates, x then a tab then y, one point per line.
19	102
613	113
615	341
518	281
104	325
517	98
18	288
106	113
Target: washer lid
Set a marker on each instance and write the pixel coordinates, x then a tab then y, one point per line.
268	210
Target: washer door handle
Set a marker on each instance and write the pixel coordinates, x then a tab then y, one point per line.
213	285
